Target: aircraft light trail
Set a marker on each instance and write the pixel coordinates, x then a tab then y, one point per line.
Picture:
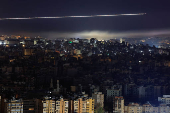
91	16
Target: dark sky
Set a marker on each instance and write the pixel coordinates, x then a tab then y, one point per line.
157	18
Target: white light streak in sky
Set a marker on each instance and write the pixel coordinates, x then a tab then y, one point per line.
15	18
78	16
132	14
91	16
107	15
48	17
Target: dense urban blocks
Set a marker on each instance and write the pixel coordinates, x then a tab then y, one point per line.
74	75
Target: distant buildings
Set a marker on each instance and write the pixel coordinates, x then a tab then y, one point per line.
165	99
133	108
11	42
64	106
105	69
113	91
13	106
99	99
146	108
32	106
49	105
118	104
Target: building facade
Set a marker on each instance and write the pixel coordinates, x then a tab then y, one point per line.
165	99
118	105
32	106
13	106
133	108
99	99
55	106
82	105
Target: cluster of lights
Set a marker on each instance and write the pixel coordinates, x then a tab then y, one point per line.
72	16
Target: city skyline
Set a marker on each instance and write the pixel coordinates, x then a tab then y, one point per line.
84	56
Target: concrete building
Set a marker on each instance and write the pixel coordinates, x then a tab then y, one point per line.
32	106
73	88
133	108
82	106
28	42
141	92
163	108
99	99
28	51
165	99
11	42
131	90
55	106
115	90
13	106
118	104
157	91
148	108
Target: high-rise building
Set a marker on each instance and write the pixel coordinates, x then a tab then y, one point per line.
58	86
51	83
90	105
32	106
99	99
115	90
13	106
55	106
118	105
82	105
131	90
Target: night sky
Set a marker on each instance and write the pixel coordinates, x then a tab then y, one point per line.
155	22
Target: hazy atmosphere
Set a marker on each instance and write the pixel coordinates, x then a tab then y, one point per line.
156	18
